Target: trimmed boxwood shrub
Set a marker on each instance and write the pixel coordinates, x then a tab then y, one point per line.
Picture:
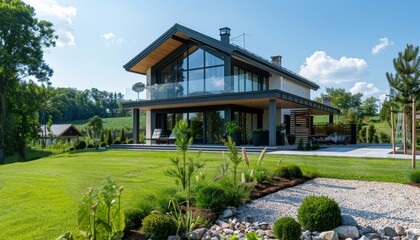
103	144
415	177
159	226
81	145
117	141
90	145
288	172
319	213
130	141
286	228
133	218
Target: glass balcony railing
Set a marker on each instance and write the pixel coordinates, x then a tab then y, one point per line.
208	86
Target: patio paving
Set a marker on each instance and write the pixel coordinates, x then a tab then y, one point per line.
358	150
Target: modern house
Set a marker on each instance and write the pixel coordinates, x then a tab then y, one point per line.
207	81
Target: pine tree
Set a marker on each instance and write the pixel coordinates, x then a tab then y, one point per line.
122	135
109	138
102	137
407	83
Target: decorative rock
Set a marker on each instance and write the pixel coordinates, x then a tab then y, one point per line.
367	229
413	234
380	231
215	238
228	231
227	213
364	238
372	235
400	230
396	238
389	231
316	238
329	235
348	220
197	234
347	232
174	237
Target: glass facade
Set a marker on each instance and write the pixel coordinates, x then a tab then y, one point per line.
197	71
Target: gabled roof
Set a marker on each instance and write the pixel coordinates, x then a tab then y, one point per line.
178	34
59	129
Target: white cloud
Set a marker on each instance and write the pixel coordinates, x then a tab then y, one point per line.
382	44
368	90
54	9
65	38
325	69
111	38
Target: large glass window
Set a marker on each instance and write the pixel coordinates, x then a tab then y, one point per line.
214	126
195	71
244	80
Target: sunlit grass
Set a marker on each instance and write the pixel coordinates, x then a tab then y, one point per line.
39	199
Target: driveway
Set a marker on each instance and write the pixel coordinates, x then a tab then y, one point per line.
357	150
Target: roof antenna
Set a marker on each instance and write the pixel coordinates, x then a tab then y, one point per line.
243	35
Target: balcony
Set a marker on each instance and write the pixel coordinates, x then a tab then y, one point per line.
209	86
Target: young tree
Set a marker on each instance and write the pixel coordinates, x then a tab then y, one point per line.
95	124
138	88
102	137
23	38
407	82
109	139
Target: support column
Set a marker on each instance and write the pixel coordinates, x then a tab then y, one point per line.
392	131
136	117
272	121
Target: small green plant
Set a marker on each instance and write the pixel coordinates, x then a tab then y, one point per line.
308	146
133	218
117	141
159	226
212	197
319	213
301	145
315	146
81	145
252	236
232	127
234	157
286	228
130	141
142	137
288	172
103	144
261	174
415	176
186	223
100	215
90	145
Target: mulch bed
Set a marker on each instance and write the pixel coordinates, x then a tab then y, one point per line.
414	184
276	184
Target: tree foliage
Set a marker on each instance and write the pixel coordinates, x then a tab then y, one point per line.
342	99
369	107
138	88
23	38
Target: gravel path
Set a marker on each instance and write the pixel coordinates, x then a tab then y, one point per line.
371	203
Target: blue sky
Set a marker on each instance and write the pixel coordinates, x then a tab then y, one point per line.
348	44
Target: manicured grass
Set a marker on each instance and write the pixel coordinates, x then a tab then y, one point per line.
39	199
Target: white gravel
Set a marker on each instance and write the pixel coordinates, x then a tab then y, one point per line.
376	204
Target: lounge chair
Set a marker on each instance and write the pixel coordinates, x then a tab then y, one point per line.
169	139
156	136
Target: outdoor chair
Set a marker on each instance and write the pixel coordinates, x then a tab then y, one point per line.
169	139
157	134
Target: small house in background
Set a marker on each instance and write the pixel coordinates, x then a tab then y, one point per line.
59	131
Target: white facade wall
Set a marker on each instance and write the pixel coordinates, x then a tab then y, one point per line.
296	89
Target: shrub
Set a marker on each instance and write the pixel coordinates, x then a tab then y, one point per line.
133	218
217	196
90	145
103	144
71	149
159	226
286	228
371	133
384	138
315	146
109	138
288	172
319	213
124	142
375	139
415	176
262	174
116	141
308	146
81	145
301	145
122	135
130	141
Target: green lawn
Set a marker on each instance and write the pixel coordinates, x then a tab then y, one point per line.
39	198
